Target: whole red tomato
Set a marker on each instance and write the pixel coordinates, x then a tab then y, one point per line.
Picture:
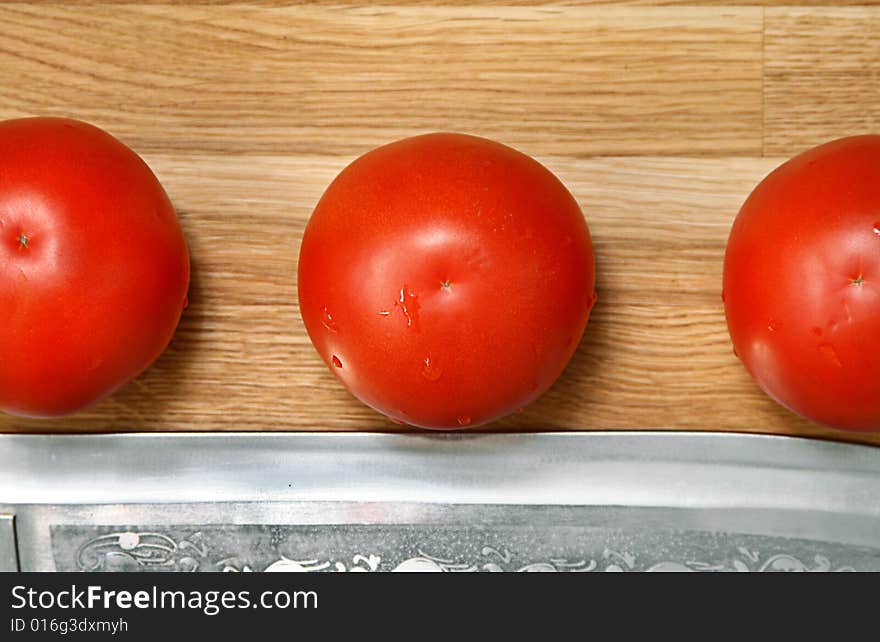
802	284
446	279
93	266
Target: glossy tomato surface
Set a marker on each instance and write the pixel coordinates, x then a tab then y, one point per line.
446	279
94	268
802	284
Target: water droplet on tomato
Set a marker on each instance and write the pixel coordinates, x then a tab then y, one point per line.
827	350
464	420
430	370
409	305
773	325
328	321
336	361
877	228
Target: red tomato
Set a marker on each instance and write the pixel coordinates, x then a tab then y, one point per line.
93	266
446	279
802	284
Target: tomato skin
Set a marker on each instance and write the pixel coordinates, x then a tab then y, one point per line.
802	284
446	279
94	268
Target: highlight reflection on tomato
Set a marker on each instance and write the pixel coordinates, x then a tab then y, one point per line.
802	284
446	279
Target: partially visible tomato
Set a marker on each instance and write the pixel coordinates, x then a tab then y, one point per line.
802	284
446	279
94	268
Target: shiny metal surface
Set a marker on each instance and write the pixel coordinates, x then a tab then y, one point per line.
701	501
8	551
630	469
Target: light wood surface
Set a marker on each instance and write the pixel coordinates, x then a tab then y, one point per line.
660	120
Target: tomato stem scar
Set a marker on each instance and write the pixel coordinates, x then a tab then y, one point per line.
446	284
858	280
22	241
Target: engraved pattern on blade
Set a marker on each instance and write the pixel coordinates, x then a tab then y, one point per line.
424	548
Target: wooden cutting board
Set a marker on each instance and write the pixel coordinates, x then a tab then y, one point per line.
659	119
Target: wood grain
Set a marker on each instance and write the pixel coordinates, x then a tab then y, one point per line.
657	119
311	79
467	3
822	76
